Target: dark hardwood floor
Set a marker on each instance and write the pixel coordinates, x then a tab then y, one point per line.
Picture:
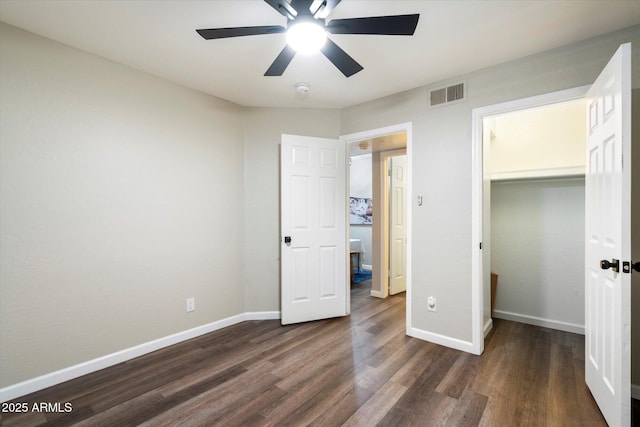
357	371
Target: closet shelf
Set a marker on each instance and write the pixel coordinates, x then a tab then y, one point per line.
551	173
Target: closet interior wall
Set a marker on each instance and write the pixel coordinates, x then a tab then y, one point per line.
534	218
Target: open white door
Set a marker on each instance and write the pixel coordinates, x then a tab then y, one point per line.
608	239
313	225
398	226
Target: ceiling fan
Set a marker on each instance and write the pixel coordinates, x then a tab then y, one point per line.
307	32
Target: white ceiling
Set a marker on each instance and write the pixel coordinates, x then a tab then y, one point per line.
453	37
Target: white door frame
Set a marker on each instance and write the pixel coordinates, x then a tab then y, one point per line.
477	274
376	133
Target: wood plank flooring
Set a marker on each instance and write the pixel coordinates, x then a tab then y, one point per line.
356	371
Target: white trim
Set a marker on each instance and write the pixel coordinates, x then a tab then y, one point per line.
446	341
635	391
374	133
347	242
367	267
261	315
558	97
477	116
477	282
488	326
539	321
378	294
75	371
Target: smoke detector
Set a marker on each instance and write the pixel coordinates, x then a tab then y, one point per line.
303	87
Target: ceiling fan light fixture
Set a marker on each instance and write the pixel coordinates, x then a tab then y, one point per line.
306	37
307	32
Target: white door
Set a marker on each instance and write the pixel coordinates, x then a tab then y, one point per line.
313	225
608	238
398	226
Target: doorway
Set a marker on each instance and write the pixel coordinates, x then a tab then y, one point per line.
481	290
534	215
377	142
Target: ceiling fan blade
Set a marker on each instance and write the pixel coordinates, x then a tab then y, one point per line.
281	62
397	25
340	59
223	33
283	7
324	8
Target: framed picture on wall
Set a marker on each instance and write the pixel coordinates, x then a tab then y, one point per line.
361	209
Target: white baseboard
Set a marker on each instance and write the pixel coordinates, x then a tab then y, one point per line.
262	315
488	326
635	391
377	294
367	267
539	321
441	339
66	374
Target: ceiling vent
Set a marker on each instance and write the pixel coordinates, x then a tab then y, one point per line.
447	95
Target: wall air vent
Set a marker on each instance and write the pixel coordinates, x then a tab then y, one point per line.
447	94
438	96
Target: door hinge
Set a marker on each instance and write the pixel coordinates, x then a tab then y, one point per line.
630	266
480	245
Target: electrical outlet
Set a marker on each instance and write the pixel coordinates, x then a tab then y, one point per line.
431	304
191	305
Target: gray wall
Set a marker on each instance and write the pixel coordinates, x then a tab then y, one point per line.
122	195
537	250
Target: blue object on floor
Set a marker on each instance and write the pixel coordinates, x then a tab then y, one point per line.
361	276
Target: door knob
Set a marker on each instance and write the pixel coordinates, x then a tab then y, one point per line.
614	265
636	266
287	239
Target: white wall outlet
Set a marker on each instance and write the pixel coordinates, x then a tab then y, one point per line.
431	304
191	305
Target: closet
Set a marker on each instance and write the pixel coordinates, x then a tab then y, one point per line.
534	214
